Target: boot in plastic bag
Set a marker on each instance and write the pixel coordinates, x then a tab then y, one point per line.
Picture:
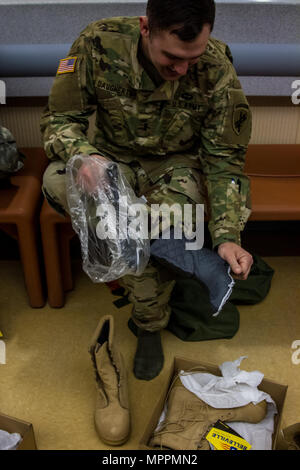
110	221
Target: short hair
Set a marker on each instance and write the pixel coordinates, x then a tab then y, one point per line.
188	16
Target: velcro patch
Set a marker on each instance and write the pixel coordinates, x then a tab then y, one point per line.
240	117
66	65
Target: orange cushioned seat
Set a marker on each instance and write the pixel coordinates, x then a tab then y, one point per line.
274	171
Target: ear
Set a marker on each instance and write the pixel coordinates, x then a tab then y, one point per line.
144	28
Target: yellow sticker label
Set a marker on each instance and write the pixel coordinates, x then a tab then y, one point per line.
223	440
66	65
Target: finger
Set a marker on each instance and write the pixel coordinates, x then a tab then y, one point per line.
245	264
238	277
232	261
235	266
242	276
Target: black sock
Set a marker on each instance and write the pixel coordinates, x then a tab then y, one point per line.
149	357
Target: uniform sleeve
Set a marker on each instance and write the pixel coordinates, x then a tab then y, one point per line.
225	137
64	122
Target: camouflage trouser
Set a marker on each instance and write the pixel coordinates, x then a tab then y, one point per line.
149	293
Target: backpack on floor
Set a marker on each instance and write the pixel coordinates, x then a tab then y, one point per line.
11	160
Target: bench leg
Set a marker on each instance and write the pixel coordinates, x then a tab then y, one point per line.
65	235
52	262
28	245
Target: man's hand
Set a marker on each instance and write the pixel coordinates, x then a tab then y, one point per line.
239	259
91	173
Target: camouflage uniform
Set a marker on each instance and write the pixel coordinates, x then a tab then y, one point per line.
176	142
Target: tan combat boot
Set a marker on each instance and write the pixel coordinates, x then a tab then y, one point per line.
188	419
112	417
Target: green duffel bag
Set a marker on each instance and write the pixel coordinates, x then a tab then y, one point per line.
191	318
256	287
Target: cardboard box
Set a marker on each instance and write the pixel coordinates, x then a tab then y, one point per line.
11	425
275	390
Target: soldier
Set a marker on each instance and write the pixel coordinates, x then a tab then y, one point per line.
170	110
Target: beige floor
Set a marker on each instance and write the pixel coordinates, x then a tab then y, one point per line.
48	378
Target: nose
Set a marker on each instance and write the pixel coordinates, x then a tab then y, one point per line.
181	68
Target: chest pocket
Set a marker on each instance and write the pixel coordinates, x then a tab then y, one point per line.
180	131
112	119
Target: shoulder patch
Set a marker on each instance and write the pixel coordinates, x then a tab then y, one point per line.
237	125
66	65
240	117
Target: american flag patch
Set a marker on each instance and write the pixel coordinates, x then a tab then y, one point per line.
66	65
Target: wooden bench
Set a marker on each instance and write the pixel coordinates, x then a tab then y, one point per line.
274	171
20	202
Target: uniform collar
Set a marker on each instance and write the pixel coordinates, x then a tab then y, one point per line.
140	80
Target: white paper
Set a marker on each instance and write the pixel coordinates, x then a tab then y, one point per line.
9	441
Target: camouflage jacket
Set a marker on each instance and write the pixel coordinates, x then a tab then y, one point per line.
201	120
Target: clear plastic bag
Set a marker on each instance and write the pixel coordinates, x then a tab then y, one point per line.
110	220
